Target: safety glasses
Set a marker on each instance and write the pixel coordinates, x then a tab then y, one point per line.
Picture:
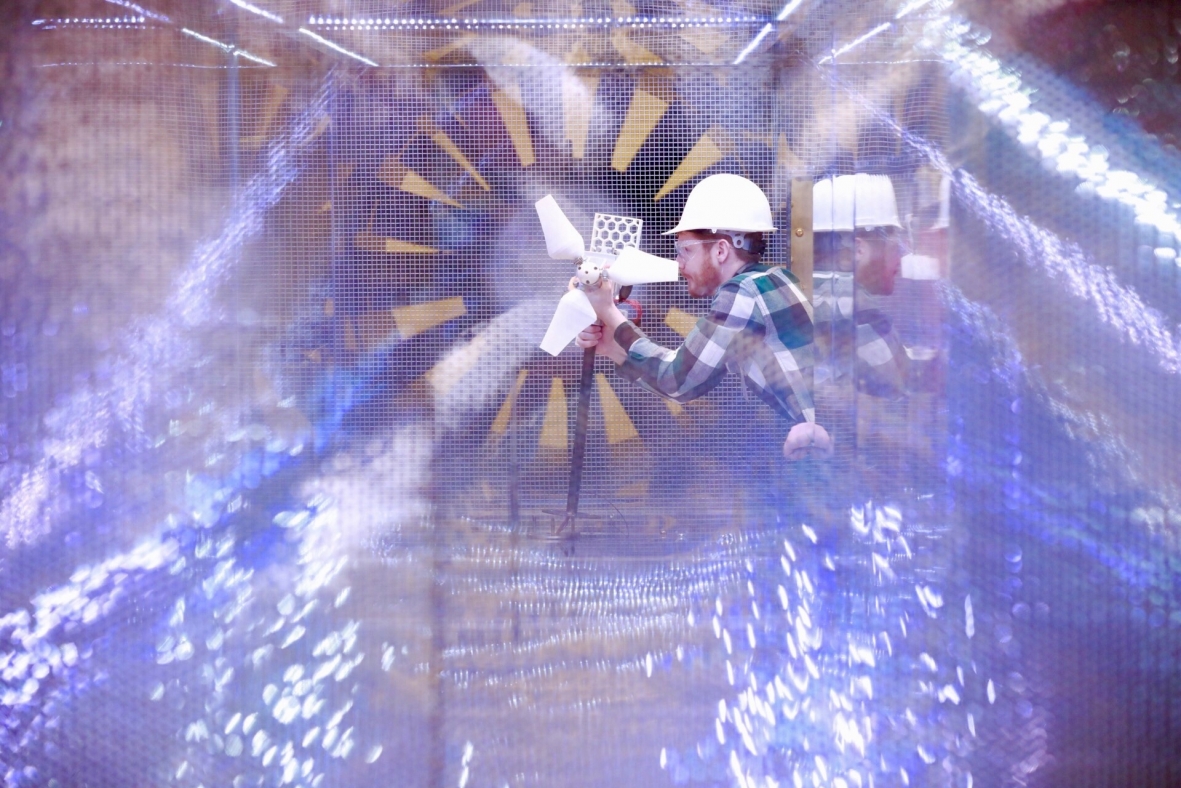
684	246
899	240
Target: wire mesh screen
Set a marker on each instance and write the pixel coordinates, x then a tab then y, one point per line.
290	493
405	236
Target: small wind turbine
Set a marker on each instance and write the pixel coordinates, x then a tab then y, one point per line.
614	255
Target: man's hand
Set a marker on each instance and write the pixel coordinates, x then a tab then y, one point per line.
807	440
602	298
603	343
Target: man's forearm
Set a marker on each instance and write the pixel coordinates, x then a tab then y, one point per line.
613	318
679	374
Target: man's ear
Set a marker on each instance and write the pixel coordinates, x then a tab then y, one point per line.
861	250
725	250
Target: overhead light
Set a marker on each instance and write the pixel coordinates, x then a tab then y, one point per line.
336	47
754	43
853	44
140	10
245	6
230	48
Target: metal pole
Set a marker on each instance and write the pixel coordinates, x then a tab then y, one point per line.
514	467
578	450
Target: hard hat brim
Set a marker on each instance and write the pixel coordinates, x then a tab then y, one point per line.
681	229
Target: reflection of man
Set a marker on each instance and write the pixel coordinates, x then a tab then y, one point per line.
858	254
759	323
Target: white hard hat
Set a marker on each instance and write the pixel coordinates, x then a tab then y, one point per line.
832	205
875	205
849	202
726	202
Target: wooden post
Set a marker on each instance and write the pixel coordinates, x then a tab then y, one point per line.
801	233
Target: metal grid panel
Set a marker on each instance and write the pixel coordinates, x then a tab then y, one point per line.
288	527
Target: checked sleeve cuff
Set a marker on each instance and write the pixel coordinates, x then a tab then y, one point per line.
627	334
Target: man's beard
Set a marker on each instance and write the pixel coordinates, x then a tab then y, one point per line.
707	285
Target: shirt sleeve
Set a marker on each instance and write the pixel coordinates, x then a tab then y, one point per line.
699	364
881	359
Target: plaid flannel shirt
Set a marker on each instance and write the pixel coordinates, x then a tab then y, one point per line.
851	328
759	325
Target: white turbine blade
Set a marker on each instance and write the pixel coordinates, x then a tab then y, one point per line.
634	267
562	241
573	314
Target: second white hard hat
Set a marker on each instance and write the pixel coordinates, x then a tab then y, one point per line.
726	202
832	205
853	202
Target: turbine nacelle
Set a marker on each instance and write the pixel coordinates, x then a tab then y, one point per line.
614	257
592	268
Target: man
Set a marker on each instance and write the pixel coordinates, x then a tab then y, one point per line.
858	254
759	323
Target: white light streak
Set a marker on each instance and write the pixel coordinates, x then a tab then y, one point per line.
784	13
207	39
336	47
911	7
1000	93
788	10
226	47
244	54
852	45
245	6
548	23
981	77
99	22
1114	304
140	10
754	43
155	353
